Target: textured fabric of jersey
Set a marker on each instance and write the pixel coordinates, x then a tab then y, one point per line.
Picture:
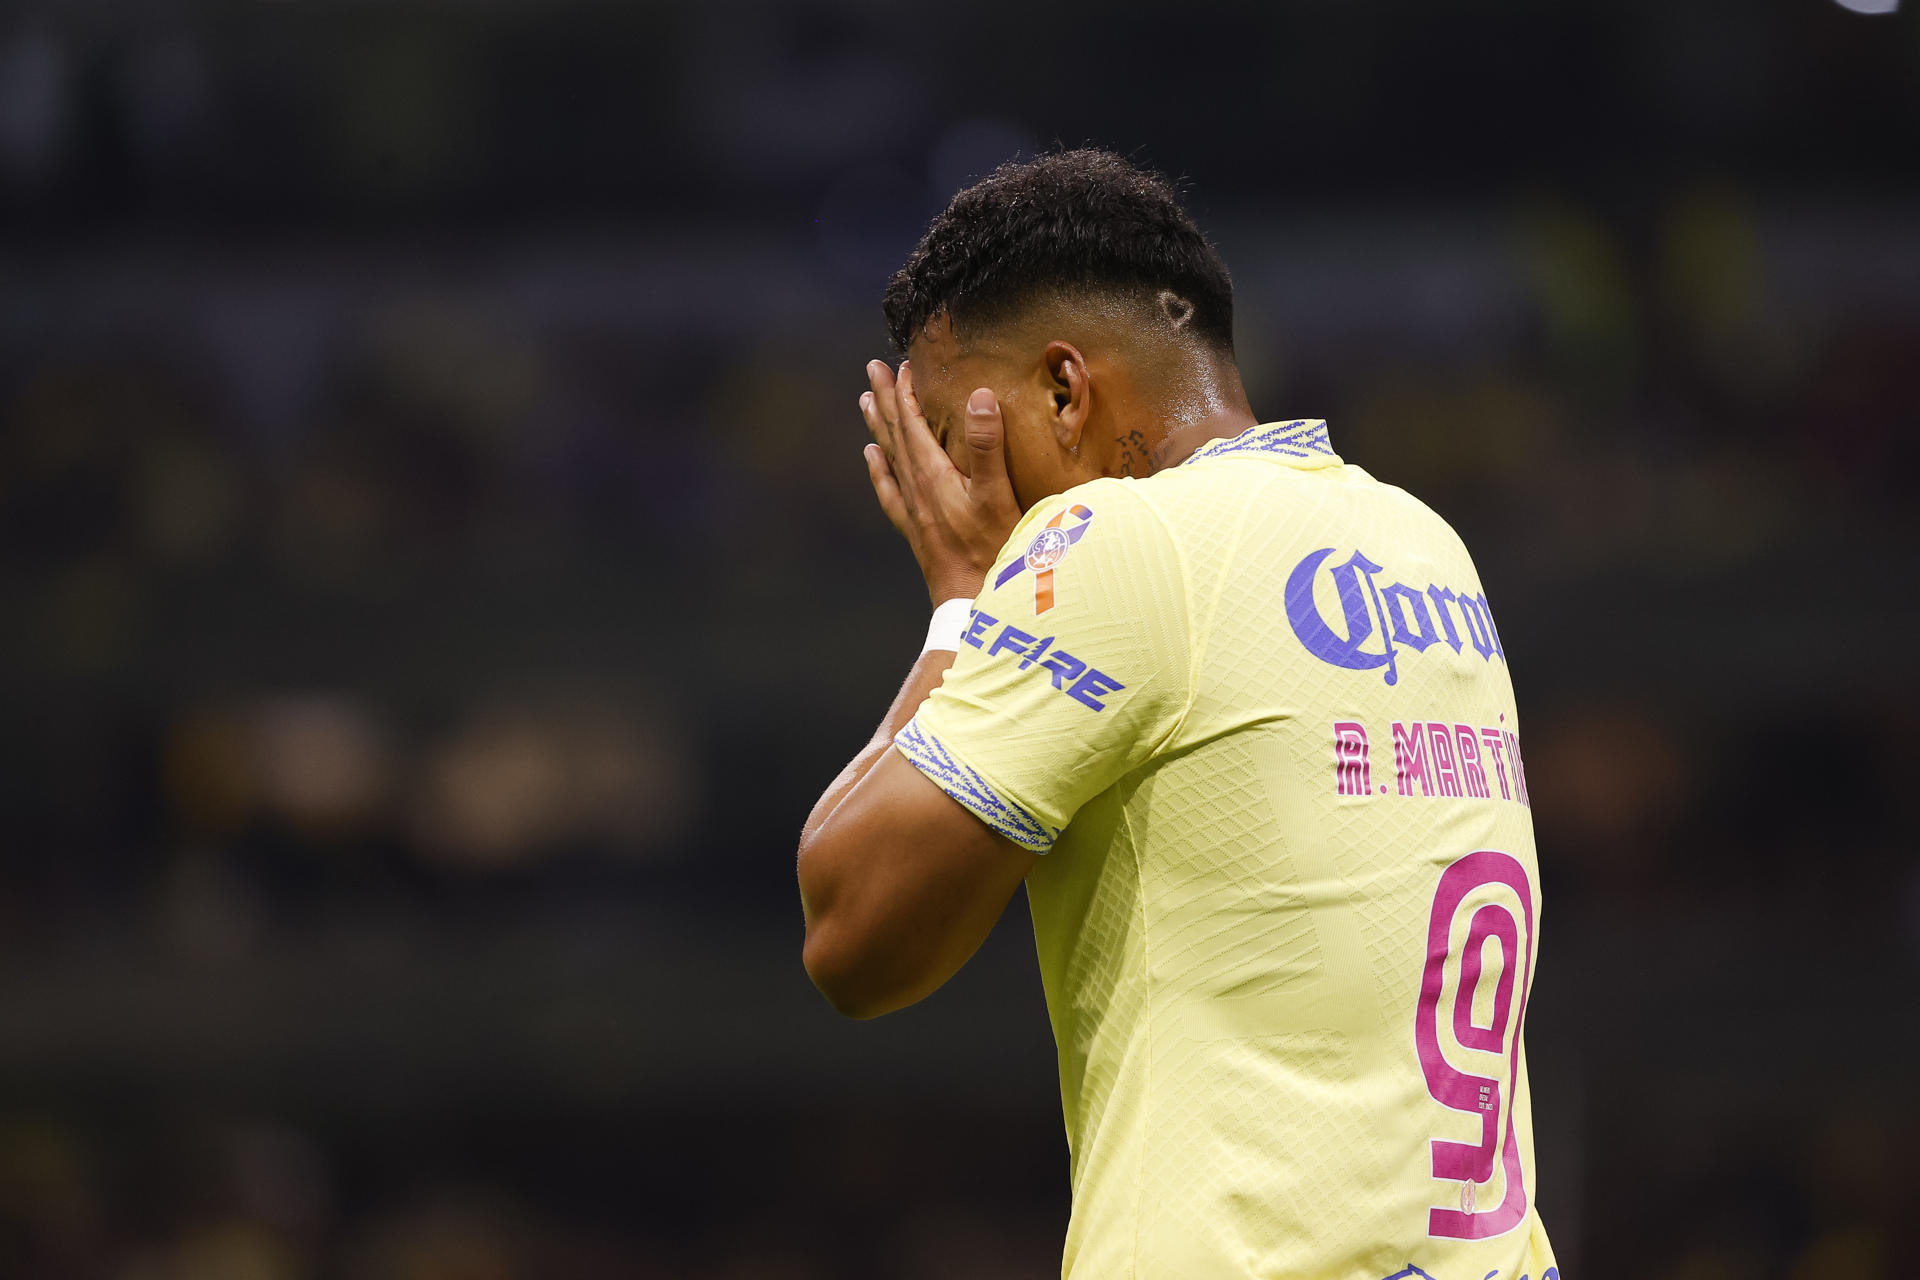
1255	711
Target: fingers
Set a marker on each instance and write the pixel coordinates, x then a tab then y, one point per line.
893	416
986	445
903	389
879	406
885	487
914	436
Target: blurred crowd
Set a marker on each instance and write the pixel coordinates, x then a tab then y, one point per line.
475	583
199	1199
566	612
432	529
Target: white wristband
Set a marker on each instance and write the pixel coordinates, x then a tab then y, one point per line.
948	625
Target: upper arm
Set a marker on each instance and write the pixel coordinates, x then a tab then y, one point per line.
1062	685
903	885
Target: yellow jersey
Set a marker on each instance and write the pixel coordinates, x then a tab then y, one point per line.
1255	711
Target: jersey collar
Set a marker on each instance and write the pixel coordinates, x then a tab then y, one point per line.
1301	443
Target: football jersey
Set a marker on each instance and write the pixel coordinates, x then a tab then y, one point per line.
1255	712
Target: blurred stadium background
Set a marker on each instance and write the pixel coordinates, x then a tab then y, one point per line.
430	504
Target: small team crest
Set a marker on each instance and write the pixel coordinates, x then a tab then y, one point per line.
1048	548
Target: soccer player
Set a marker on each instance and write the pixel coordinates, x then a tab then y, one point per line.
1238	716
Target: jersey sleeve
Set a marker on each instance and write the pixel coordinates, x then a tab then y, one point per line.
1073	671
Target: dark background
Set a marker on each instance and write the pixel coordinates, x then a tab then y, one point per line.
438	574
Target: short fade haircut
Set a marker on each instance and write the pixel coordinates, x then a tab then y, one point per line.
1082	221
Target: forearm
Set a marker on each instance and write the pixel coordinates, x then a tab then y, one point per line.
898	882
922	680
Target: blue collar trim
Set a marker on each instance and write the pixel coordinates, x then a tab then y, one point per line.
1302	438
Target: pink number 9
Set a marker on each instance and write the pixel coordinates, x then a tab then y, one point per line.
1464	1162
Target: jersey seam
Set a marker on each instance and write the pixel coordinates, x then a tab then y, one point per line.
1186	600
1146	961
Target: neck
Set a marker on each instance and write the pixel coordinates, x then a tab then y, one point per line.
1212	407
1180	442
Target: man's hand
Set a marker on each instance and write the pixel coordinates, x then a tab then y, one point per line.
898	881
955	523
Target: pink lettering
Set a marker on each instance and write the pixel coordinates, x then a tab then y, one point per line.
1442	759
1494	747
1473	778
1444	772
1352	774
1410	759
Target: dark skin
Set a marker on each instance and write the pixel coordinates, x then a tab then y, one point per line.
900	884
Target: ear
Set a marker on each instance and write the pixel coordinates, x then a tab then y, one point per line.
1070	392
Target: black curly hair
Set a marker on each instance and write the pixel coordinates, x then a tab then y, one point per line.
1083	220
